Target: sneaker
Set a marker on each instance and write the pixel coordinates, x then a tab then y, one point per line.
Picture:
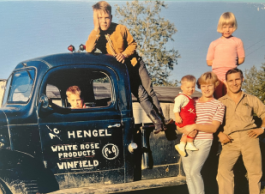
181	150
191	147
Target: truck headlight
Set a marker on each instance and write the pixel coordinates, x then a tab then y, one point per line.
132	147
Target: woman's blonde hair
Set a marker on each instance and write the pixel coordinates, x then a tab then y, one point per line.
208	78
225	19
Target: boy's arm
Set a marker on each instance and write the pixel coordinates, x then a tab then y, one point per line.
94	35
92	41
177	117
131	44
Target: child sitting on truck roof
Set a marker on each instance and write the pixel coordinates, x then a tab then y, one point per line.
185	114
74	98
115	39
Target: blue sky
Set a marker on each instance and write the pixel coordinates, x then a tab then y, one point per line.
31	29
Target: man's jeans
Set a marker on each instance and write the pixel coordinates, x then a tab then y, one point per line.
142	89
193	163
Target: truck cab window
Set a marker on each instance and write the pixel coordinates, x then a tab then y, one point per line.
53	93
95	85
102	91
21	86
7	87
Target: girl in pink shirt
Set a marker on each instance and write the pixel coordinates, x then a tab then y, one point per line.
226	52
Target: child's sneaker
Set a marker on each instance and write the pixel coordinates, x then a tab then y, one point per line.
190	146
180	149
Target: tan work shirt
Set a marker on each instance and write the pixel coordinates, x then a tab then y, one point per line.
121	40
240	116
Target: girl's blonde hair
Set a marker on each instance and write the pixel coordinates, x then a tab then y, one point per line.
225	19
208	78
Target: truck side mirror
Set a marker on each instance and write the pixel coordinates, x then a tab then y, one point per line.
44	106
44	101
47	107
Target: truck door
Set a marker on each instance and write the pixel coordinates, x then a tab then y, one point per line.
84	143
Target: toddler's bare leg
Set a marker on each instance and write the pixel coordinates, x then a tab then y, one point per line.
190	139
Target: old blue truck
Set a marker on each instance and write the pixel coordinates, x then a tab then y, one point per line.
46	146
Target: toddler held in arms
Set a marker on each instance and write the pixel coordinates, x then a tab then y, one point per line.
185	114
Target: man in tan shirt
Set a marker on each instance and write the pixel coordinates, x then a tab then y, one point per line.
240	135
115	39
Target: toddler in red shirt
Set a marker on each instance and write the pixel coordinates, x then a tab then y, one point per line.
185	114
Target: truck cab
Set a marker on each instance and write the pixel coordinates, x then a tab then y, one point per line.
47	146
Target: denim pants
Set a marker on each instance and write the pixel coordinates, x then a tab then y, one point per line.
193	163
141	87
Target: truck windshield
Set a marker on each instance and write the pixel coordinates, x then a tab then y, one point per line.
21	86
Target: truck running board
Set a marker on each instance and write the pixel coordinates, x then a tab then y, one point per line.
125	187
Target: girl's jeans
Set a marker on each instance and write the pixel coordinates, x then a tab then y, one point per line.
192	165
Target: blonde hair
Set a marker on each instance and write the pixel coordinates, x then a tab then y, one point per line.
102	6
187	78
227	18
208	78
73	90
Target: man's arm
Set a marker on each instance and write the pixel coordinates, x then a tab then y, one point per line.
254	133
223	138
259	109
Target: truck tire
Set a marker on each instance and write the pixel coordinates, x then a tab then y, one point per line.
4	189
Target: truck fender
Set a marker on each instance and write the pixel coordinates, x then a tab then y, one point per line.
23	173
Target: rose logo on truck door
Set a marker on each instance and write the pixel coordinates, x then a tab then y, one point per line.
110	151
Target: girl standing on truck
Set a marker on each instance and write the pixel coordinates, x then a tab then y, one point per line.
227	52
210	113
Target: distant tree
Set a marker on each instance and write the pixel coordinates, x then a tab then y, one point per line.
151	32
254	82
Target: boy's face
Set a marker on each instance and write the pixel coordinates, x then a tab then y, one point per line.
188	88
75	101
227	30
104	20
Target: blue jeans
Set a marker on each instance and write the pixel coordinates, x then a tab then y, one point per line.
142	88
192	165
